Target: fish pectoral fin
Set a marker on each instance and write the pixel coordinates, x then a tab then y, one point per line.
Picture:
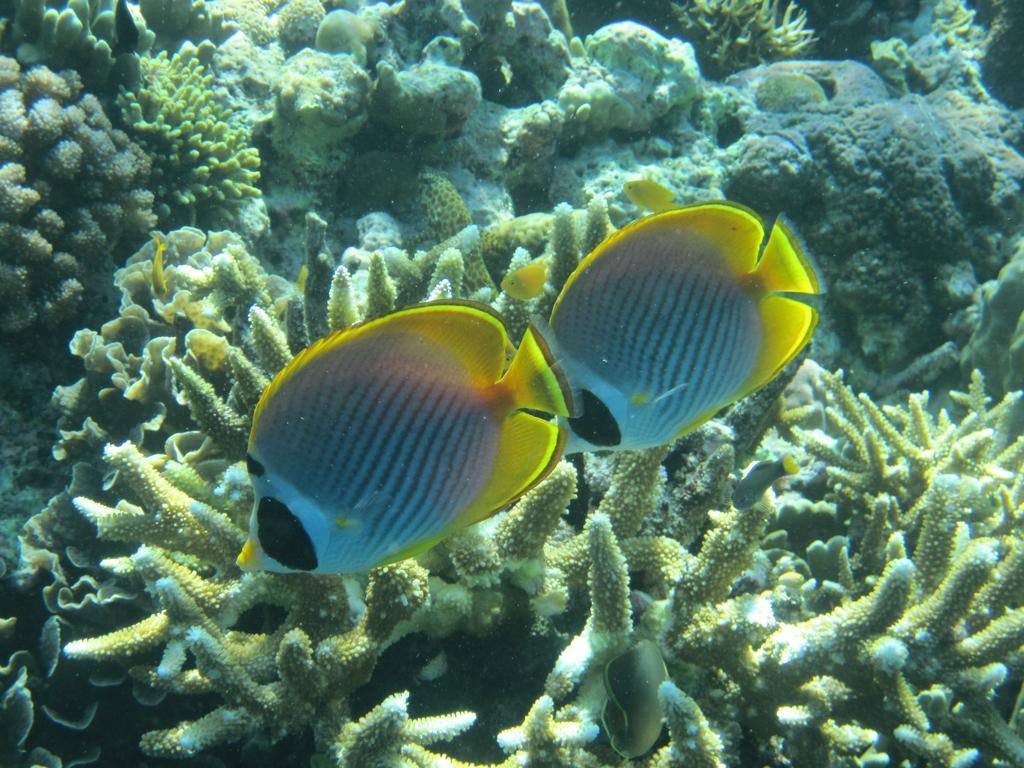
788	325
534	379
784	267
528	449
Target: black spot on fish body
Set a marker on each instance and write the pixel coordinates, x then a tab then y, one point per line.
254	467
283	537
596	424
127	31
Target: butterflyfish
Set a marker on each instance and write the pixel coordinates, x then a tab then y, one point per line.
632	714
527	281
759	478
158	276
649	195
675	316
379	440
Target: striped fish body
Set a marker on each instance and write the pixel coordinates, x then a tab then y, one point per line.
377	442
674	317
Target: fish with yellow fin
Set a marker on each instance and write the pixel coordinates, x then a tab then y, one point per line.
381	439
158	276
650	195
675	316
526	282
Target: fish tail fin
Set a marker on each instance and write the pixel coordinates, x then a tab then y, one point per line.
784	275
784	267
535	380
788	325
528	449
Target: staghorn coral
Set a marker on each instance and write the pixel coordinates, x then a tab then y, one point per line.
781	627
71	187
734	34
202	162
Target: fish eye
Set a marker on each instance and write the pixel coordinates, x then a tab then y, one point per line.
254	467
596	424
283	537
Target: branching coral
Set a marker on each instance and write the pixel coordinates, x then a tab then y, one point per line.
202	161
734	34
778	644
71	186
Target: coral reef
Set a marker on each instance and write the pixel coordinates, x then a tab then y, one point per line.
203	164
71	188
867	611
882	198
626	77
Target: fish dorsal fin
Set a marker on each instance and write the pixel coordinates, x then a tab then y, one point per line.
788	325
528	449
784	267
473	333
534	380
735	231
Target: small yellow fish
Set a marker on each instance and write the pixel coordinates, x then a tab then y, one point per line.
650	195
300	281
159	279
527	281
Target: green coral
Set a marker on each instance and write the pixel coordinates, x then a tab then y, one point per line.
202	162
734	34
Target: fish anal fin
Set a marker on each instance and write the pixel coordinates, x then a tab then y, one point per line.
534	380
784	268
788	325
528	449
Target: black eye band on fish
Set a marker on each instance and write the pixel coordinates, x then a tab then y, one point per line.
254	467
596	425
283	537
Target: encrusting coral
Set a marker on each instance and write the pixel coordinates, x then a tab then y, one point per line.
71	186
